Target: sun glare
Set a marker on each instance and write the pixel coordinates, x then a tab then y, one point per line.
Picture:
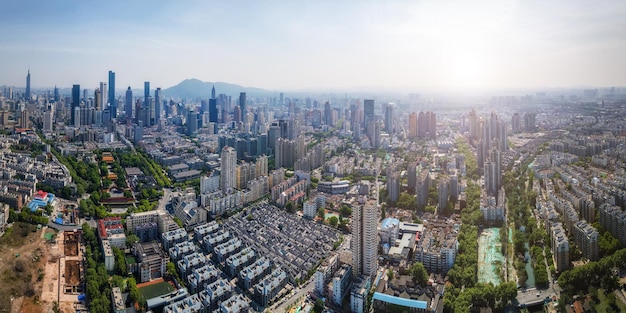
467	69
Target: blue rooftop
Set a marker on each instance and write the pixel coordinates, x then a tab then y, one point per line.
388	222
418	304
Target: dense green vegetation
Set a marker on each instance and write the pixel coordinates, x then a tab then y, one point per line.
26	216
145	164
98	290
464	291
470	158
85	175
593	275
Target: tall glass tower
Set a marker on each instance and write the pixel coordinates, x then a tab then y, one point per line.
112	102
27	95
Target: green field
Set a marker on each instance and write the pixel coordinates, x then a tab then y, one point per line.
155	290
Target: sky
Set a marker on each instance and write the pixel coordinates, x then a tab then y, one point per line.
300	45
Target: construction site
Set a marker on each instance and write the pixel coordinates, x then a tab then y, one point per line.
64	272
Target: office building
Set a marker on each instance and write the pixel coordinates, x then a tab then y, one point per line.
158	105
146	94
192	122
365	238
27	94
390	118
368	111
75	102
128	104
242	106
112	100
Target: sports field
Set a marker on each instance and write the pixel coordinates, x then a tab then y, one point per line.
154	289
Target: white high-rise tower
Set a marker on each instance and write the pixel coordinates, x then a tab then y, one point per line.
228	169
365	239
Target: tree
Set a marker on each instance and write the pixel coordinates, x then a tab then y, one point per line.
319	306
290	207
133	292
321	212
419	273
333	220
345	211
131	240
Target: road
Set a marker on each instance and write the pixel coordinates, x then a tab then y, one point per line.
167	193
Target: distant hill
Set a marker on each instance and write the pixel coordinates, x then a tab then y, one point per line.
195	88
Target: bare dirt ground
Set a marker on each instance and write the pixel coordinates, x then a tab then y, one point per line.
23	253
58	268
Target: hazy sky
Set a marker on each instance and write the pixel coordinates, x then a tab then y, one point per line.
293	45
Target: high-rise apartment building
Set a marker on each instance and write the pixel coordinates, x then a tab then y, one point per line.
493	172
516	123
365	239
529	122
228	167
412	125
474	123
560	247
586	238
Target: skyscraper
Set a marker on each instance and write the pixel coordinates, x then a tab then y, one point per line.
390	115
365	239
228	169
27	95
97	98
146	94
213	111
213	92
57	97
242	105
75	101
192	122
104	96
128	104
413	125
328	118
158	105
368	110
111	96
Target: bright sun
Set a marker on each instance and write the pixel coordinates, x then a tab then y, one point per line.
467	69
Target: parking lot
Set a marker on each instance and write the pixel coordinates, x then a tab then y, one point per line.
294	243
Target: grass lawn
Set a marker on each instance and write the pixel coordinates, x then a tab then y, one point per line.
155	290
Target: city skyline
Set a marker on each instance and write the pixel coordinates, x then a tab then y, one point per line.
286	46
